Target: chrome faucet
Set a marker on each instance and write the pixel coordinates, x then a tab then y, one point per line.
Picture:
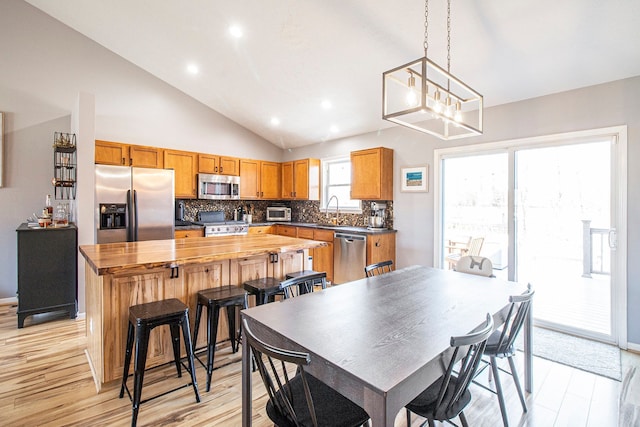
335	221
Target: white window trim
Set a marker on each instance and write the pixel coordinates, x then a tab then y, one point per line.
323	190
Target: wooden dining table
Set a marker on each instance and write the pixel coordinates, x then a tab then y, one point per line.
381	340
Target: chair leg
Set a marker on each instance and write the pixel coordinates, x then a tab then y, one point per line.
408	417
175	341
127	358
463	419
196	326
212	336
186	335
514	374
231	320
503	409
142	343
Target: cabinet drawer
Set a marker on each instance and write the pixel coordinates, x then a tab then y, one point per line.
323	235
305	233
266	229
287	230
184	234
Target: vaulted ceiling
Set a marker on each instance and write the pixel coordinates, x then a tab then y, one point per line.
316	65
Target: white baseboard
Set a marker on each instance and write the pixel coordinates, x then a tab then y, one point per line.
633	347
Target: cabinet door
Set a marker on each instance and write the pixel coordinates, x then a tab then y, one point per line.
301	180
125	291
229	166
185	165
201	277
287	180
290	262
249	179
207	163
269	180
372	174
145	157
381	247
305	233
323	257
111	153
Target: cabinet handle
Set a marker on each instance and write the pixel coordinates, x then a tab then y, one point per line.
378	243
215	169
123	160
220	169
175	271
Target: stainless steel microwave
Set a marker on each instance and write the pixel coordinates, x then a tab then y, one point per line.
278	213
216	187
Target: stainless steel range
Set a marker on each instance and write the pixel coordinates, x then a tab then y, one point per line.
215	225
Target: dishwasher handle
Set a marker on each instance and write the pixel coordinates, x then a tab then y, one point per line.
350	238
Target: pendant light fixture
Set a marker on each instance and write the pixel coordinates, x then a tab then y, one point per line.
425	97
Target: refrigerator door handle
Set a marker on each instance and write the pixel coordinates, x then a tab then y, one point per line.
135	216
130	218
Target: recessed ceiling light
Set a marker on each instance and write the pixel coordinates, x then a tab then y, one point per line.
333	129
192	69
326	104
236	31
275	121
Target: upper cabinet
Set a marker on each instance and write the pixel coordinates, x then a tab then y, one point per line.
372	174
301	180
221	165
185	165
116	153
259	179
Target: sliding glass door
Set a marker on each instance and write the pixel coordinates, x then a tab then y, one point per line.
545	213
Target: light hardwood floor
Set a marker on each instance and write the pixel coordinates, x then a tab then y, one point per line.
45	381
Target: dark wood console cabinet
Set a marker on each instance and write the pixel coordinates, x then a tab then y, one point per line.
47	271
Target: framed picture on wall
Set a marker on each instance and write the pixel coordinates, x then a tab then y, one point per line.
415	179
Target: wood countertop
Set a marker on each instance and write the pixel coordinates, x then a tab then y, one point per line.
127	257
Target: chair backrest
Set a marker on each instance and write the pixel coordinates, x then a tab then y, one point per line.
475	265
520	306
472	345
303	284
378	268
475	245
271	363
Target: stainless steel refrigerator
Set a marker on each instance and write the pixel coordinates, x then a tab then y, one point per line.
133	204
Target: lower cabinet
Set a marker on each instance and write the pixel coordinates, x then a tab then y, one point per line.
185	234
381	247
323	257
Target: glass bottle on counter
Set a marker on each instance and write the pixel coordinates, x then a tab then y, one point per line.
48	206
61	217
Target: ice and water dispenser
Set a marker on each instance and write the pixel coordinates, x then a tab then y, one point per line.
113	215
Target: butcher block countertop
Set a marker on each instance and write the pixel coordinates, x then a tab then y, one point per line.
127	257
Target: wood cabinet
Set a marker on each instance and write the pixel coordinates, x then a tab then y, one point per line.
119	154
381	247
184	234
287	230
262	229
323	257
185	165
259	179
301	180
372	174
221	165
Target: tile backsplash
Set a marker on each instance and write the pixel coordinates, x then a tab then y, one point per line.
301	211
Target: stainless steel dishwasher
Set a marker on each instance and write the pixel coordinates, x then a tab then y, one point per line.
349	257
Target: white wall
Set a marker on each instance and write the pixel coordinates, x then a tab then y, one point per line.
610	104
45	68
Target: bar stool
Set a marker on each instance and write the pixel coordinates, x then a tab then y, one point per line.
214	299
265	289
142	319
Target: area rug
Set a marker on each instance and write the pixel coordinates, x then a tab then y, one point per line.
591	356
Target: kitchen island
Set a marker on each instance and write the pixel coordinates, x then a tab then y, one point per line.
119	275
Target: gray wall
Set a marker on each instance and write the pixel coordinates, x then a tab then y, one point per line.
611	104
45	65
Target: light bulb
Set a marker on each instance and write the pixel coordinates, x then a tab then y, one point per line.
437	105
447	110
412	98
458	116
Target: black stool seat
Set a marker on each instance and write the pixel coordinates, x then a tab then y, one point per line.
214	299
296	274
142	319
265	289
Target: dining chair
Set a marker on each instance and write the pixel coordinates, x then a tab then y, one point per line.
301	399
303	284
447	397
378	268
477	265
501	344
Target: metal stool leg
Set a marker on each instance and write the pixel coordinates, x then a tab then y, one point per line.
175	341
142	343
231	318
212	335
186	334
196	326
127	358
